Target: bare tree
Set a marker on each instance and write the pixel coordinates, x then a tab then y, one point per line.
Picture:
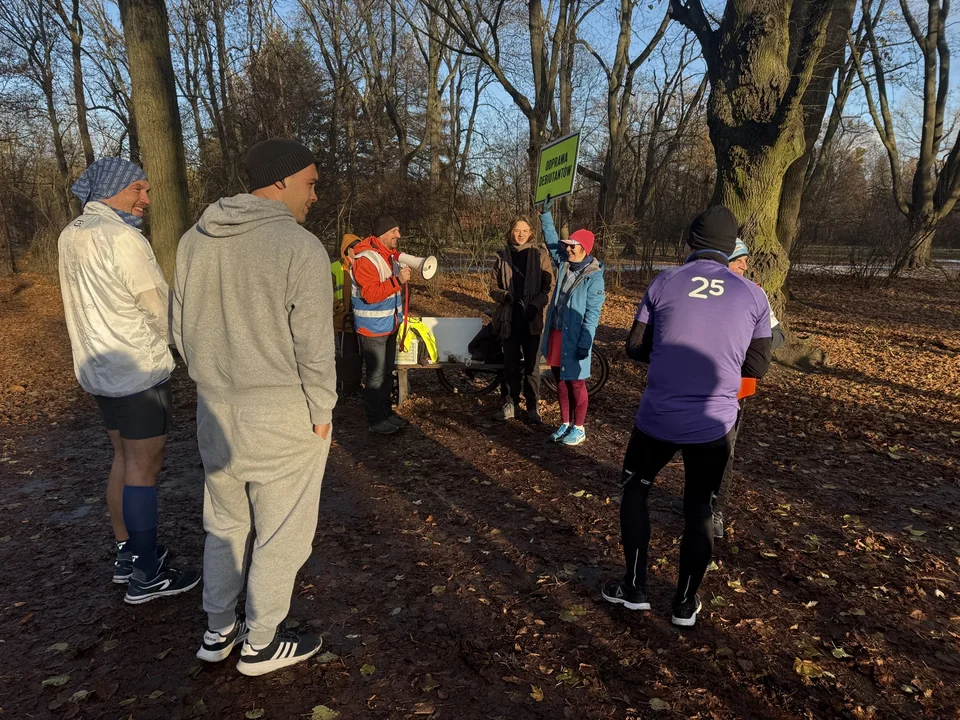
29	27
146	30
620	77
109	56
481	26
936	180
73	26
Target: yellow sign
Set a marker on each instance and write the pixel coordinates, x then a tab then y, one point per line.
558	167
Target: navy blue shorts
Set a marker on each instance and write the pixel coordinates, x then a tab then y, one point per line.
143	415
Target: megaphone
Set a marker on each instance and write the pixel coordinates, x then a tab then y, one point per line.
427	267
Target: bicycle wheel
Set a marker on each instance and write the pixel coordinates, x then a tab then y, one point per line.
469	381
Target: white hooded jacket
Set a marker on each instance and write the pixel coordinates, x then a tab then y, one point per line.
116	304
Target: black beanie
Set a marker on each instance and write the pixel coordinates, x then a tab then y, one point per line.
275	159
714	229
384	224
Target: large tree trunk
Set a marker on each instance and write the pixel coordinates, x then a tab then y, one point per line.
145	29
920	246
754	146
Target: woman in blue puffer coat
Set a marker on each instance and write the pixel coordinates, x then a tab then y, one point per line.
571	324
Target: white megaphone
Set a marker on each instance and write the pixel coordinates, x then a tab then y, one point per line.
427	267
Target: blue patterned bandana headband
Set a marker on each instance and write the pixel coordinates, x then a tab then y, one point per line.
105	178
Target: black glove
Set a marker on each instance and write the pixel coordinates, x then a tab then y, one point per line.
530	312
582	353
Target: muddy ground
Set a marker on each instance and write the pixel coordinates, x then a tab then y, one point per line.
456	568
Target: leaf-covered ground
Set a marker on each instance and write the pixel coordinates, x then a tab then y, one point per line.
456	568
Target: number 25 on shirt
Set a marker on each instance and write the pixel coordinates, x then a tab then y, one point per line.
715	288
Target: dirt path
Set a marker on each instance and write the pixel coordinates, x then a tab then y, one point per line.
456	569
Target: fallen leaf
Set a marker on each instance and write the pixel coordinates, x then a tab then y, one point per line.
579	493
110	645
423	708
439	589
768	554
128	701
840	653
322	712
719	601
572	613
811	604
80	695
58	647
939	593
155	694
429	683
367	670
908	689
56	680
658	704
326	657
254	714
536	693
162	655
807	668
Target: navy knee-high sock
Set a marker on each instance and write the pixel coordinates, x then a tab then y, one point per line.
140	517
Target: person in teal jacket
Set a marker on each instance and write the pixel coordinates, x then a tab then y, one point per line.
571	325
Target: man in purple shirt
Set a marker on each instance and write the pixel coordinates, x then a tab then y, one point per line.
701	328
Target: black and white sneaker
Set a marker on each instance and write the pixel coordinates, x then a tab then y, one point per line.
287	648
685	613
617	591
123	566
218	646
718	525
166	582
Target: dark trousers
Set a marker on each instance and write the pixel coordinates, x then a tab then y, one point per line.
723	494
704	465
380	359
521	364
349	363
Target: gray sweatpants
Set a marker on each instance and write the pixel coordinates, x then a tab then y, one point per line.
263	470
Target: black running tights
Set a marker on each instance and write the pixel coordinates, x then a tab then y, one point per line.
703	468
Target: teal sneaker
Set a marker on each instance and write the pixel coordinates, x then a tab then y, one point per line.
575	436
560	432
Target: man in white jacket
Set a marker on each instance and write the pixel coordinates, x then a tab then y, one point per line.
117	310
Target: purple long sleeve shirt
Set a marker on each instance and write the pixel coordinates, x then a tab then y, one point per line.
704	317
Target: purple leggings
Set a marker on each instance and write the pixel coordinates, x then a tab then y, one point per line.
573	397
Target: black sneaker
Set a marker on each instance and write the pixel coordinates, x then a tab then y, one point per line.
384	427
398	421
685	613
123	566
533	416
677	505
288	648
617	591
217	647
718	526
167	581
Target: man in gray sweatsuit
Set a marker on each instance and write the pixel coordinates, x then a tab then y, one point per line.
253	309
